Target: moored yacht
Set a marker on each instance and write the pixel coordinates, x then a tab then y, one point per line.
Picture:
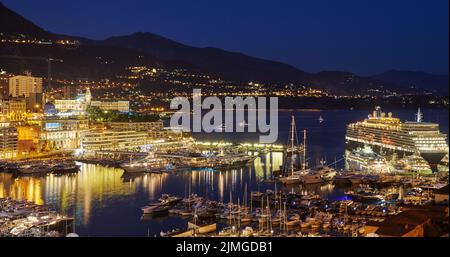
295	176
147	164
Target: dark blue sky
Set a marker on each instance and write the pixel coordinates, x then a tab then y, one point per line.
362	36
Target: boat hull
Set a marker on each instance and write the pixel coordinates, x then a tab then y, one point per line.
433	158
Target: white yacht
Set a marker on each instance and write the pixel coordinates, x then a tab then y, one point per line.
149	163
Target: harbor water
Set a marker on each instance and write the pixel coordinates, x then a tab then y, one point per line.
106	202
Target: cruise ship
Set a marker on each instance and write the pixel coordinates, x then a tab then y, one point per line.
387	135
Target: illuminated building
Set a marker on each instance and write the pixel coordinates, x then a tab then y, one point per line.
388	135
62	134
115	140
8	142
4	85
137	126
14	109
155	129
29	87
28	139
121	106
50	110
80	104
24	85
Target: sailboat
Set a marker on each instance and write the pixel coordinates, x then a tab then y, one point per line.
295	177
320	119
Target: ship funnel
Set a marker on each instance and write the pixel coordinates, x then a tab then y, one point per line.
377	112
419	115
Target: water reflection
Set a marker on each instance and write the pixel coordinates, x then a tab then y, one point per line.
106	195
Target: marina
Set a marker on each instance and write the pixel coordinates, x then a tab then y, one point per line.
247	198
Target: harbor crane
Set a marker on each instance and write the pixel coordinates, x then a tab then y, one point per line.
49	61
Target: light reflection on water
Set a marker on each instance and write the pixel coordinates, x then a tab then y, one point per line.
104	199
106	203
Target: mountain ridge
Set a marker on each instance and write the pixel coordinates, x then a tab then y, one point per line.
145	48
437	83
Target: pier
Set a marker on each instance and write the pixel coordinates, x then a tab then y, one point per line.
253	147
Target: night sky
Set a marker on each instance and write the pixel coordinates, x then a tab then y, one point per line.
361	36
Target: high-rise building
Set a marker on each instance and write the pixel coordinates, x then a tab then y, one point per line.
23	85
29	87
4	85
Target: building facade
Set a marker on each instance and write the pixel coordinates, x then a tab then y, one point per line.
62	134
154	129
81	103
113	140
29	87
23	85
8	142
4	85
13	109
137	126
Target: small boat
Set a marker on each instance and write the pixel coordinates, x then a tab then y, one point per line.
311	178
305	224
320	119
292	223
291	179
276	220
148	164
167	199
175	211
342	179
364	192
247	232
315	225
194	229
65	168
170	233
34	169
246	219
155	209
356	179
186	213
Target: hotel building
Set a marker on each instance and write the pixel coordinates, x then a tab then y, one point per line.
29	87
24	85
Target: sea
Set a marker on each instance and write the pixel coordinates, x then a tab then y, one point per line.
105	202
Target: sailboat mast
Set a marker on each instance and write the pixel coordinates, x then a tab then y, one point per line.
292	144
304	149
